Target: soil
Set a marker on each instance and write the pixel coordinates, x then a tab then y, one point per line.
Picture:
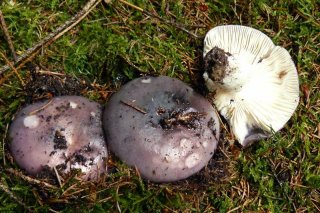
48	175
215	63
44	86
59	141
180	117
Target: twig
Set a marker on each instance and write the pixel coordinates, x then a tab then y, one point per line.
2	150
234	209
12	67
29	179
58	176
41	108
7	37
54	211
57	33
308	17
133	6
3	143
168	22
14	197
223	152
221	122
4	78
314	201
44	72
67	194
299	185
132	64
134	107
118	206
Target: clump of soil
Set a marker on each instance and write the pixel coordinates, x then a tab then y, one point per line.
215	63
59	141
180	117
48	175
44	86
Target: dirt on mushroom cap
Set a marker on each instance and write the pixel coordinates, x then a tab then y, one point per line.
64	132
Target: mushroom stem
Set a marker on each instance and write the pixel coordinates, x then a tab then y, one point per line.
223	71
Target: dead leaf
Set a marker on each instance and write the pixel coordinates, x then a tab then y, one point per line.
203	7
306	93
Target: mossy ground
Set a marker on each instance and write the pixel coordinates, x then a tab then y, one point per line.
116	43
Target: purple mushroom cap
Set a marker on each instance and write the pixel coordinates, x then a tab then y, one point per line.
64	132
161	126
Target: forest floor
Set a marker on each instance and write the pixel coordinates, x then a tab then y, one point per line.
117	42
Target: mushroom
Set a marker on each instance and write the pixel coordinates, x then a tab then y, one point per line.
63	133
162	127
255	83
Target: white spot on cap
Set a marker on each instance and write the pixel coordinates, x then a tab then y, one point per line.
205	144
171	154
192	160
178	165
190	109
93	114
146	81
185	146
73	105
31	121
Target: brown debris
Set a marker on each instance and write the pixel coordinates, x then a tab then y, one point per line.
12	67
175	118
306	93
282	74
7	37
46	86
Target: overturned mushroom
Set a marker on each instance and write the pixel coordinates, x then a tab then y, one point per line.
255	83
64	133
161	126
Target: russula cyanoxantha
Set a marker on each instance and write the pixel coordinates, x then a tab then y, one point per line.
64	132
255	83
161	126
